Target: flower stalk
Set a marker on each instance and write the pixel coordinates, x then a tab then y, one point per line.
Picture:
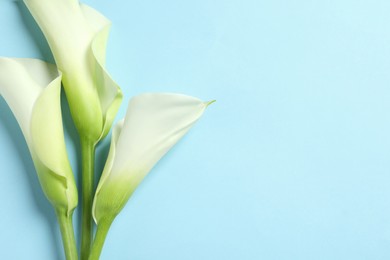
100	237
88	156
67	233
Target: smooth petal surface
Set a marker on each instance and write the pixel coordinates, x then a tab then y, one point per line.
153	124
77	36
32	90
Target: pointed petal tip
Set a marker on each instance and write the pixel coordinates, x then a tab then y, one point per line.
208	103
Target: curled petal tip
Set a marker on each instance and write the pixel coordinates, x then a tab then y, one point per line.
208	103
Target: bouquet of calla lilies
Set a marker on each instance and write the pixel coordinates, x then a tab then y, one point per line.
77	35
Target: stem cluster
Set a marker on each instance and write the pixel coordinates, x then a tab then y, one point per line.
87	252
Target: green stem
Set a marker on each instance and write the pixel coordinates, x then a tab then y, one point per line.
68	240
88	155
100	237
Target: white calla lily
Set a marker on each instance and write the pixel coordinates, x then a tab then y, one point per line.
153	124
77	36
32	90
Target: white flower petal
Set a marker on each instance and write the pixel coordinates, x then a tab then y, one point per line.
153	124
32	90
22	99
77	35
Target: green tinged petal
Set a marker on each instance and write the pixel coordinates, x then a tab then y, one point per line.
153	124
77	36
32	90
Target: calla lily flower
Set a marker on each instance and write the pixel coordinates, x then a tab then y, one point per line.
77	36
32	90
153	124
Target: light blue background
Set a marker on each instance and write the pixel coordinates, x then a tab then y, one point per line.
292	162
